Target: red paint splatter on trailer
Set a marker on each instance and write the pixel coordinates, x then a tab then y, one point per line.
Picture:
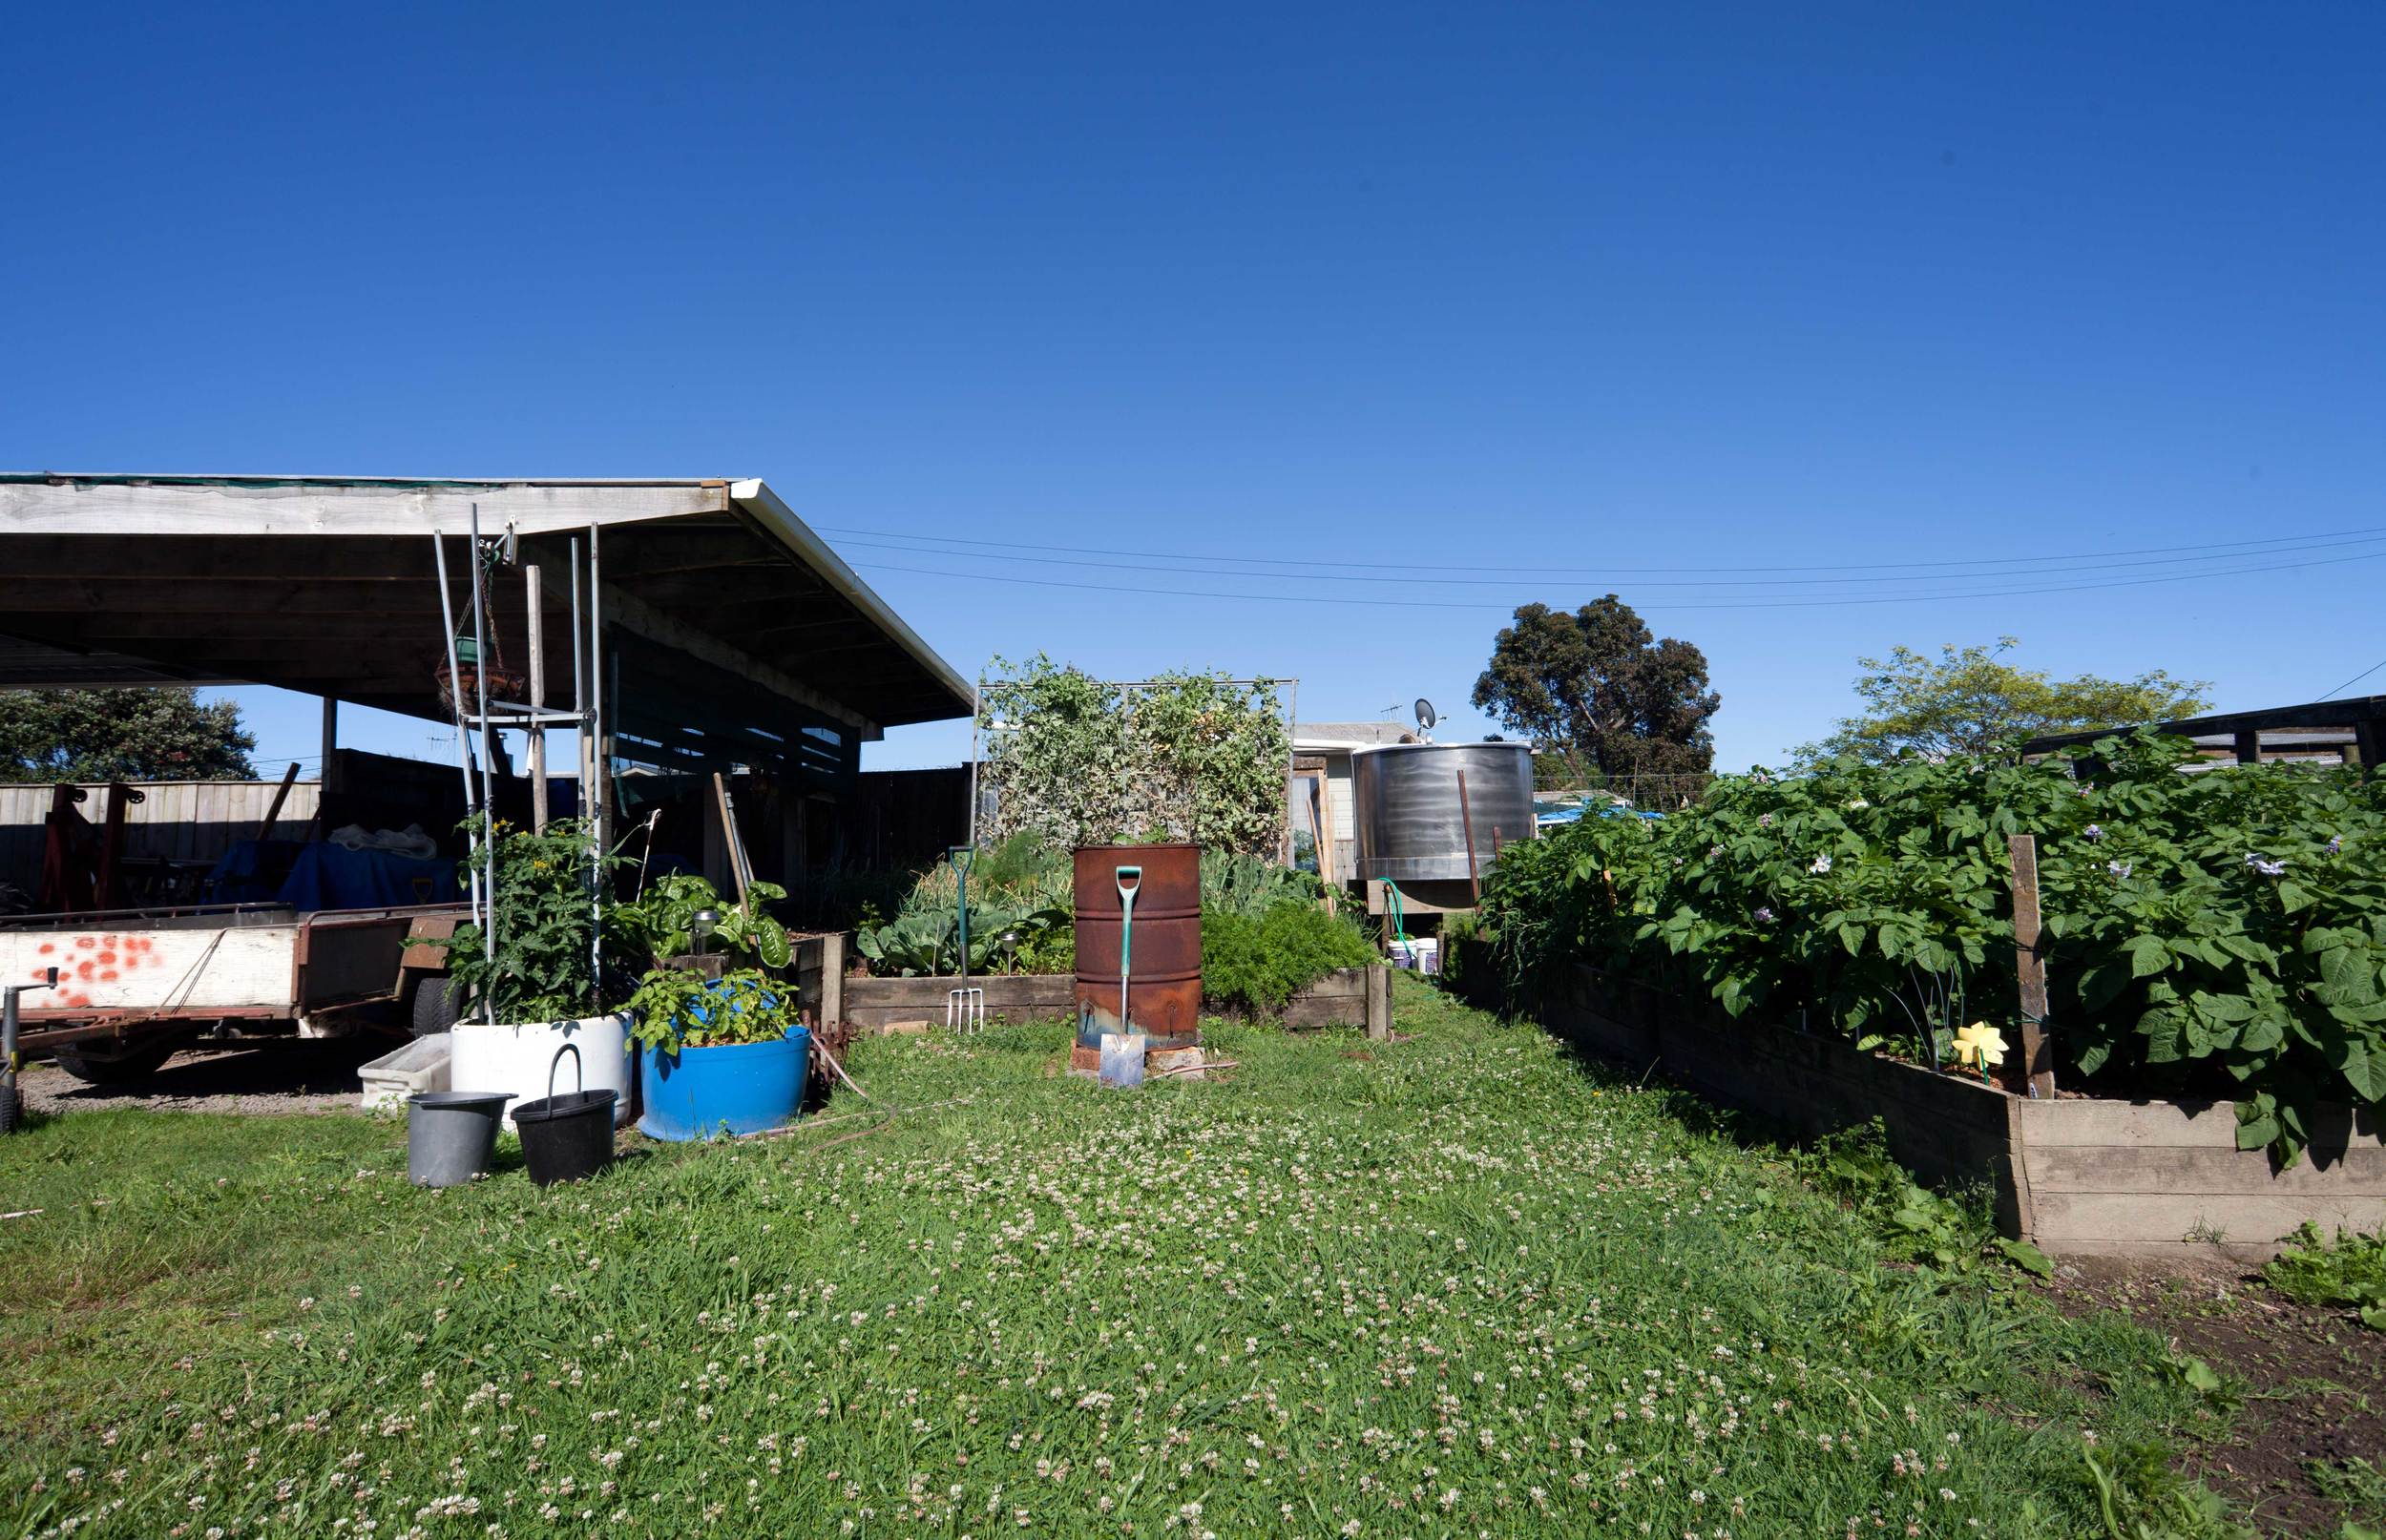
85	969
84	943
46	948
105	959
107	975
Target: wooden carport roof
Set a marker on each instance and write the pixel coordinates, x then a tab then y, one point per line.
328	585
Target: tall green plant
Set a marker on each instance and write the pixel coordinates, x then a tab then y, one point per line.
543	969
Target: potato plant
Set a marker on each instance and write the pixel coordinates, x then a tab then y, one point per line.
2219	932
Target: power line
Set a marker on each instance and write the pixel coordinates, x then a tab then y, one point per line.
2248	548
1745	604
2355	679
1732	582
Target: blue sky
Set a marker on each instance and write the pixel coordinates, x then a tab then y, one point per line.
1535	287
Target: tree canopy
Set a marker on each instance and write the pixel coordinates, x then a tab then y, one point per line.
1597	688
1968	700
121	735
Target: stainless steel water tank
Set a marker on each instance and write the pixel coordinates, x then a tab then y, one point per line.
1411	829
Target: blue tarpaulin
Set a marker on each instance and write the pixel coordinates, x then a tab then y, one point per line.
326	876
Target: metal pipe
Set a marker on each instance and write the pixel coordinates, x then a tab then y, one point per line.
600	793
455	695
1291	756
1465	817
488	794
978	709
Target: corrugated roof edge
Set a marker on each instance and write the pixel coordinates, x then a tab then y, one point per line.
765	505
197	479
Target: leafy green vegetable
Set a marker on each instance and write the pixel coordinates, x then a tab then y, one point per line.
677	1008
2220	934
2349	1270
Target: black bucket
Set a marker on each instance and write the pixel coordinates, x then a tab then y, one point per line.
566	1138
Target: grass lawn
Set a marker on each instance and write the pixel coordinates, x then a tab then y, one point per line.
1457	1285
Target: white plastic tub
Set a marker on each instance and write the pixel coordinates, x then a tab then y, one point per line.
515	1059
420	1066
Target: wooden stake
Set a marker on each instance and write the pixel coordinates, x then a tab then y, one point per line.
281	794
735	847
2033	1070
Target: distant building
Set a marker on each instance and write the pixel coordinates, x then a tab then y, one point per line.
1321	765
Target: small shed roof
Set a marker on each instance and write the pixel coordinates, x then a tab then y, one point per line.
328	585
1316	735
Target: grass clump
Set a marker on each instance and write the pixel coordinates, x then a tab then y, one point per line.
1256	965
1456	1285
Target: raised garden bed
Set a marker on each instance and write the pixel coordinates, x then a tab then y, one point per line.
2074	1174
1351	996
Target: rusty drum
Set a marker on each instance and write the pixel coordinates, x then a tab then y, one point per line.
1164	969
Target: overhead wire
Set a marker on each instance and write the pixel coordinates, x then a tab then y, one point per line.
2245	547
2355	679
2280	549
1835	601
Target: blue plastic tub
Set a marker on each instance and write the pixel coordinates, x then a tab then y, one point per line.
739	1087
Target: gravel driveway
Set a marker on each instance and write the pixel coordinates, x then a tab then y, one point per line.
295	1076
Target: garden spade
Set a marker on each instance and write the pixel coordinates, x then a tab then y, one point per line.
1127	889
1123	1049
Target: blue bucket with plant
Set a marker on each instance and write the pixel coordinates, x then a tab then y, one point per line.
717	1056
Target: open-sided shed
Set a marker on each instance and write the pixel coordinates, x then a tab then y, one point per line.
730	634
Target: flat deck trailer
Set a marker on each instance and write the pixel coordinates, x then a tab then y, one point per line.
136	984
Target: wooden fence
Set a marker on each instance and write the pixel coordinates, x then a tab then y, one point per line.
183	820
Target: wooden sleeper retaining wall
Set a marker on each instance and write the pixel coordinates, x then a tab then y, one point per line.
1351	996
2076	1175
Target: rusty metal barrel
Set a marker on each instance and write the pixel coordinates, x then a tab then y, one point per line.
1165	968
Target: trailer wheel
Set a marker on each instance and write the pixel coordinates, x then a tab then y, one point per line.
11	1109
437	1005
113	1069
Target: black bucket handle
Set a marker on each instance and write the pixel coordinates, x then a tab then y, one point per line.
578	1072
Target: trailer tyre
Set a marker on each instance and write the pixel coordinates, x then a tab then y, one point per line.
11	1109
133	1063
438	1004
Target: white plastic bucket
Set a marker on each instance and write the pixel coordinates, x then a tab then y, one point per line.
515	1058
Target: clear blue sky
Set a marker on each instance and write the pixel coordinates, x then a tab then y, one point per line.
1527	287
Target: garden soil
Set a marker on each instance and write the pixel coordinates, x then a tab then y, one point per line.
2313	1380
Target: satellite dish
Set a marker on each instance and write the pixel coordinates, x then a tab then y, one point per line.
1426	716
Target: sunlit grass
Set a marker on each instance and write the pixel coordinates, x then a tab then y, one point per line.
1453	1285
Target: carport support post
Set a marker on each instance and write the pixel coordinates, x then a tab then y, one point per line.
537	748
324	779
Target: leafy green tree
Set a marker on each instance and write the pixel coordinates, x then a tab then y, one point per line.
121	735
1596	690
1970	701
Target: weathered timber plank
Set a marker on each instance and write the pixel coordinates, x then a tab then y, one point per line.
1053	989
2177	1217
2185	1125
2354	1172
